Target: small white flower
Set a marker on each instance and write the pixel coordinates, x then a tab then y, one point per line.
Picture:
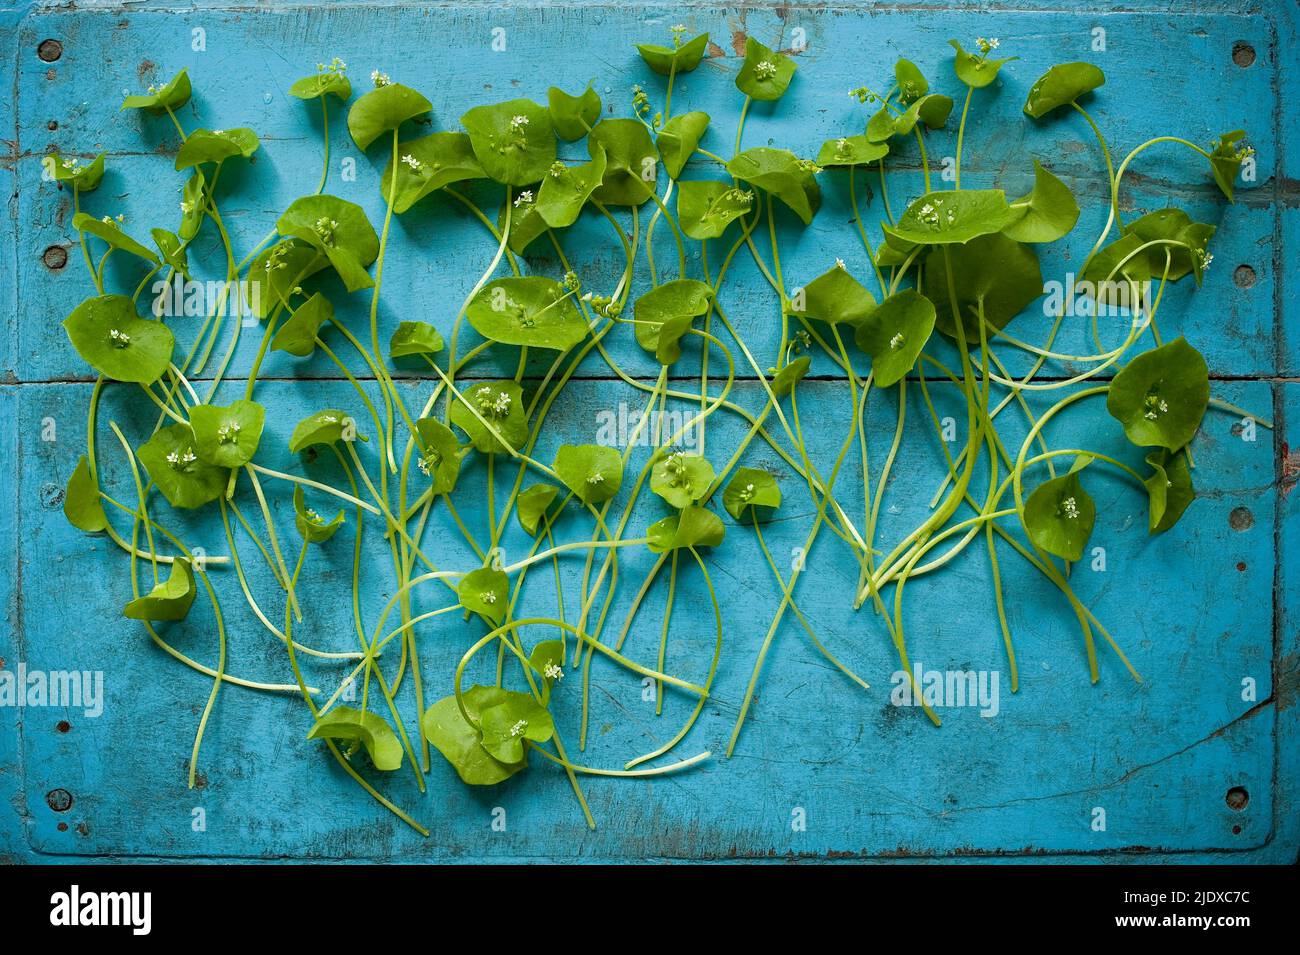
411	161
518	122
595	477
502	404
765	70
173	458
186	206
488	597
121	339
524	197
554	672
897	341
218	132
839	264
518	728
379	79
1070	508
423	465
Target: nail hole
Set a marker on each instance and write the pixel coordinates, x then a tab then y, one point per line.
51	74
60	800
1243	54
63	827
1241	566
1237	798
1236	830
55	257
49	50
1244	276
52	125
1241	519
63	726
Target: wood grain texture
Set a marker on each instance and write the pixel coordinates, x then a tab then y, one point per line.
1198	609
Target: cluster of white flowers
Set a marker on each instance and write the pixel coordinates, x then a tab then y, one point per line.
839	264
595	477
765	70
120	339
897	341
987	45
518	728
1070	508
488	597
412	162
553	671
379	79
227	432
178	460
524	198
325	227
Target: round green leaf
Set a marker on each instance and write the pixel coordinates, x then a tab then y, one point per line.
513	141
669	60
486	592
83	178
1169	489
1161	395
329	426
894	334
630	162
1047	213
278	270
216	145
440	455
532	310
532	504
1059	515
573	116
791	374
173	463
679	138
118	343
784	175
328	82
1173	225
751	494
975	70
566	189
912	84
414	338
663	314
950	217
765	74
169	599
298	334
592	472
1061	86
81	502
498	403
313	528
992	270
691	527
427	164
459	741
382	110
706	208
369	729
849	151
834	297
171	96
681	479
227	437
337	228
504	726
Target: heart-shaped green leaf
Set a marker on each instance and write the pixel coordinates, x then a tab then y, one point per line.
500	404
369	729
1047	213
532	504
547	660
514	141
313	528
427	164
679	138
1161	395
681	479
81	502
70	170
573	116
169	599
111	232
1061	86
504	726
691	527
278	270
765	75
440	455
1169	489
172	250
784	175
894	334
172	460
382	110
414	338
680	59
791	374
459	741
706	208
994	271
216	145
171	96
669	308
630	161
118	343
298	334
1173	225
486	592
593	472
912	84
1059	515
532	310
330	81
227	437
834	297
337	228
566	190
751	494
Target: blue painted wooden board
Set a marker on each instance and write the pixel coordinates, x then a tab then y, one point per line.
1198	609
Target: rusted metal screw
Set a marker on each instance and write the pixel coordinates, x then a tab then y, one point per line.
60	800
55	257
49	50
